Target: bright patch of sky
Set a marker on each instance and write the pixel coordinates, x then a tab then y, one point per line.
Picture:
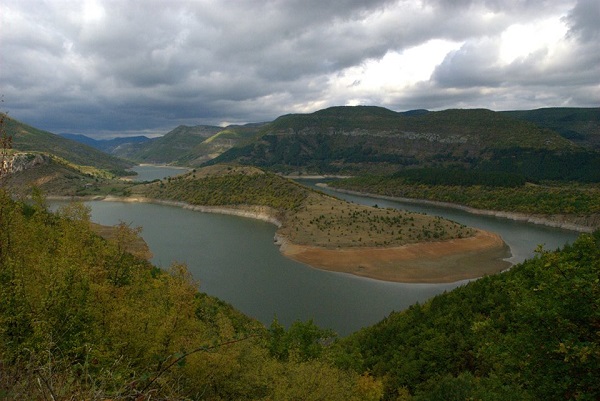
107	67
395	71
521	40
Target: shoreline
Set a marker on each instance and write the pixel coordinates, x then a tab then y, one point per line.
425	262
254	212
522	217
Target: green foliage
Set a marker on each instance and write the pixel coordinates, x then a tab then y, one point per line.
529	333
261	189
302	341
459	177
82	319
538	199
538	164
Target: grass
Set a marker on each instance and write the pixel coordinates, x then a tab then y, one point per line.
330	222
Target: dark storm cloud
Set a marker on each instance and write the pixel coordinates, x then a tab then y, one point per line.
110	67
584	20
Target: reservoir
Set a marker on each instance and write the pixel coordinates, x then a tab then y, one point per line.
234	258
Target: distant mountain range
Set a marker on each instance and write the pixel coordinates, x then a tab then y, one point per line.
107	145
553	143
185	145
366	139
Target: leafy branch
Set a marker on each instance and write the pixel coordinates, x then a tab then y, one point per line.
5	146
181	357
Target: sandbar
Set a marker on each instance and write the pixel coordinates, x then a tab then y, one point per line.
427	262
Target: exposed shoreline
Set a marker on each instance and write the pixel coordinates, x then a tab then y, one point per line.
425	262
527	218
253	212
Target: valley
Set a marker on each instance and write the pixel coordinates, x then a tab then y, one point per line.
320	230
57	272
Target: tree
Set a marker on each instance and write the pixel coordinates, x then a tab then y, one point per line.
5	146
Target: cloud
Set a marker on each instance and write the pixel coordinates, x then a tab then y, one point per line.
583	20
110	67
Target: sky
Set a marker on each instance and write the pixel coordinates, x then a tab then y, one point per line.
108	68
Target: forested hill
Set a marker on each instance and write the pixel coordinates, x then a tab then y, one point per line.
528	334
580	125
168	148
111	146
185	145
81	319
365	139
307	216
29	139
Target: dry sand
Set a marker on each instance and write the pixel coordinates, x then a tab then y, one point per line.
431	262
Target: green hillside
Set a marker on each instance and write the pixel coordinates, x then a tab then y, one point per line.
528	334
219	143
81	319
188	146
485	127
55	176
30	139
169	148
580	125
366	139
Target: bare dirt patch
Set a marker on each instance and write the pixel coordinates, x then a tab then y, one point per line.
432	262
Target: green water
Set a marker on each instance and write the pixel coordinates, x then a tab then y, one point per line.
234	258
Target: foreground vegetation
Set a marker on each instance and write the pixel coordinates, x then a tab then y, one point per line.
531	333
80	318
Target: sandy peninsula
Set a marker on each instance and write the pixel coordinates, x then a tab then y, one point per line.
331	234
424	262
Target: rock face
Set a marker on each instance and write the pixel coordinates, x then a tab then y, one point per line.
25	161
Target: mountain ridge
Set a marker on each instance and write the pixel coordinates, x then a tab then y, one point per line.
110	146
370	139
353	140
26	138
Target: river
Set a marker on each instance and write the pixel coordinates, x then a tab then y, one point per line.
234	258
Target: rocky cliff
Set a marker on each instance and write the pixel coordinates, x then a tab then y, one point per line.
25	161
